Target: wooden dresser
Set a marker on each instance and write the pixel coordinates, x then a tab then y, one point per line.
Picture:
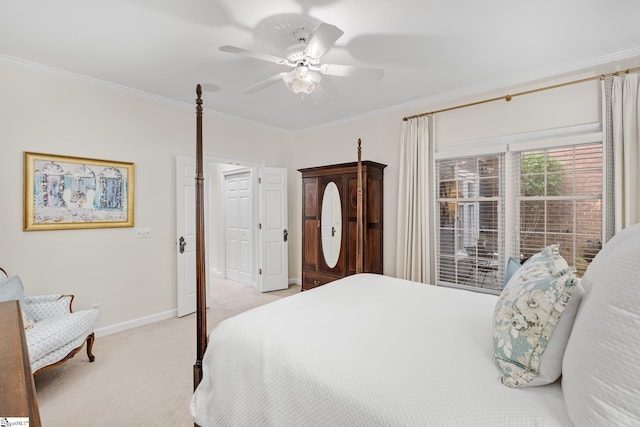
329	246
17	390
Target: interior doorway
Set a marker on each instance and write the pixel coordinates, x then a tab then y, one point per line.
238	224
264	265
229	252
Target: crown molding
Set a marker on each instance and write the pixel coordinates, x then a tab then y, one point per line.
68	75
25	65
592	66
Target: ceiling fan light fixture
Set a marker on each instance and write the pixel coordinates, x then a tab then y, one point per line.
301	80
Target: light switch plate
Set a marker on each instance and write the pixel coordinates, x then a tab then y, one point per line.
143	232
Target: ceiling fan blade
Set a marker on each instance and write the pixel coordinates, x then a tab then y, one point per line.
323	40
256	55
350	71
262	84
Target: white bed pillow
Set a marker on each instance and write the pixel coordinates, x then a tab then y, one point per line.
551	360
530	333
12	289
601	365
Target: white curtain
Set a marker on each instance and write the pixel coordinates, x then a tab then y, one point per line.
415	256
625	123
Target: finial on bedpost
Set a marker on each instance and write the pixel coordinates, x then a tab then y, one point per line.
359	214
199	107
199	99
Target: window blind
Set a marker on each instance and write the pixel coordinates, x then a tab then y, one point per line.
470	222
559	200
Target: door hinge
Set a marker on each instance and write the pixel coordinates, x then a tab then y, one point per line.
259	226
260	271
259	180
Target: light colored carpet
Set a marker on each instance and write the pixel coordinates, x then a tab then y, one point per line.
143	376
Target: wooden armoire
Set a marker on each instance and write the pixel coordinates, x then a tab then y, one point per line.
329	227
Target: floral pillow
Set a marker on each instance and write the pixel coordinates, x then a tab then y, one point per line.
526	315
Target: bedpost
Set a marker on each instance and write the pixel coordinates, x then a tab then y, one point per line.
359	214
201	293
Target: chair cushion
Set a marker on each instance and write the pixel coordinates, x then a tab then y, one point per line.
12	289
57	355
526	316
50	334
45	306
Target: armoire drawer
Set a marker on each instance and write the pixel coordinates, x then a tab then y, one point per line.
312	280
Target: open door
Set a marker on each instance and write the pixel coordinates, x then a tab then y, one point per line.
273	261
239	226
186	235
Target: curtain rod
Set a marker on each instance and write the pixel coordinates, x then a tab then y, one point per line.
526	92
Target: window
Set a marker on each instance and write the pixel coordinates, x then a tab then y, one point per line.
556	197
559	200
470	221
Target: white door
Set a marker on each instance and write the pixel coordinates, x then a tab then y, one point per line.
273	259
239	221
186	239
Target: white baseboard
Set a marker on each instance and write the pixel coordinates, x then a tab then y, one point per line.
130	324
141	321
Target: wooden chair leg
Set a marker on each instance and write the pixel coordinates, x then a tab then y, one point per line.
90	340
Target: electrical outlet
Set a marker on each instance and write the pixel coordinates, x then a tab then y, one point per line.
143	233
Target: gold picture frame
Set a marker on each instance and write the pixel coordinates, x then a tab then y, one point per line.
66	192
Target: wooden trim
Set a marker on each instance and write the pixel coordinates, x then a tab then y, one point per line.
201	293
89	340
359	213
330	169
19	397
71	297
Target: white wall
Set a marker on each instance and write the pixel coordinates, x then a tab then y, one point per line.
561	107
130	278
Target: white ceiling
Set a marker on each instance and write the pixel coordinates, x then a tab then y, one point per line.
429	49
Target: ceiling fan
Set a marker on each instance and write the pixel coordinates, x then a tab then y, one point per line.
304	58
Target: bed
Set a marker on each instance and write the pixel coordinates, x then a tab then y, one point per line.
366	350
371	350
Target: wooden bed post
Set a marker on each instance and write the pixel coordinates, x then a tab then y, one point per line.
201	292
359	214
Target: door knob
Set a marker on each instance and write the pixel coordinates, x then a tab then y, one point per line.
285	234
182	243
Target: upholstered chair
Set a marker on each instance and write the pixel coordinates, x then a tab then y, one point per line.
54	332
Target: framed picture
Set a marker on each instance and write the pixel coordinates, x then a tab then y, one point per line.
63	192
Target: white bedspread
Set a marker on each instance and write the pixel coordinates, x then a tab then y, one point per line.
367	350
